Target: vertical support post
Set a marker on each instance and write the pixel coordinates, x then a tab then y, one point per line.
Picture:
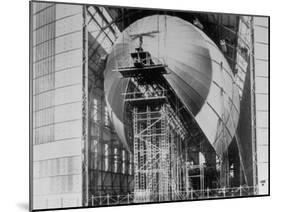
201	168
128	198
85	184
148	153
93	200
141	160
186	180
155	153
253	108
240	190
136	152
107	199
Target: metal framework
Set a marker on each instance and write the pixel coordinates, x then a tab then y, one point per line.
158	133
158	168
107	162
85	128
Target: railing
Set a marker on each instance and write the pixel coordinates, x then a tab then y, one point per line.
129	62
111	200
145	95
191	194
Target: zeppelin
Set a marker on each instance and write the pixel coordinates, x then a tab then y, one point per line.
197	71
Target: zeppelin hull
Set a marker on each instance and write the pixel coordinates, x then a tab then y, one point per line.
197	72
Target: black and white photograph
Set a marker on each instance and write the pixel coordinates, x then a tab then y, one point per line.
137	105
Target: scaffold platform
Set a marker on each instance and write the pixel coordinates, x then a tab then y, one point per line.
153	69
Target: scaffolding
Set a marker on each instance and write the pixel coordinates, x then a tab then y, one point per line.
158	132
158	164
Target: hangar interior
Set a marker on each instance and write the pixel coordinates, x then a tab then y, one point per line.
168	153
168	104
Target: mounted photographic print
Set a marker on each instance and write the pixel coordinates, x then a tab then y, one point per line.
137	105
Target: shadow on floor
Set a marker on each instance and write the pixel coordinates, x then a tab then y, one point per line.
23	205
